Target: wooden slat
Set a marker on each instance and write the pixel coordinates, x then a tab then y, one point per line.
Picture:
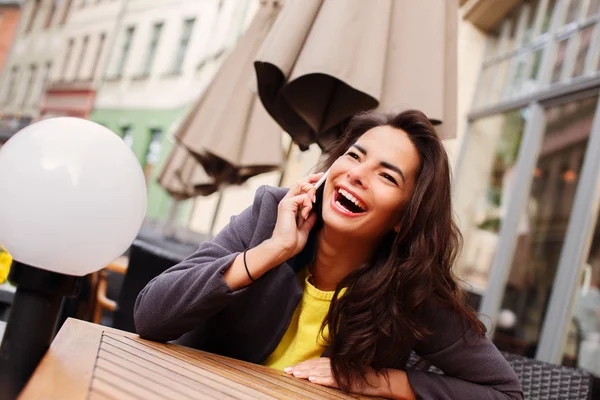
274	380
107	389
142	380
247	373
282	382
179	383
192	371
124	385
249	381
99	396
262	372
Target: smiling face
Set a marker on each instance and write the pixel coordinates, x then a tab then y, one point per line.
368	187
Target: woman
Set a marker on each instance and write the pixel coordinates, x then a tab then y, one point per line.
338	285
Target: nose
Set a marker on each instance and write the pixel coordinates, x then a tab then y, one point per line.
358	175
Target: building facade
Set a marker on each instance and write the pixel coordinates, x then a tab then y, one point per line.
527	178
87	37
30	62
10	10
164	56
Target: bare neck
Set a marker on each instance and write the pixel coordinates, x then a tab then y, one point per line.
337	256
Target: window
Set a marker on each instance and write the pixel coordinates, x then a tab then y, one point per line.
129	32
184	41
29	85
127	135
50	14
558	33
10	92
67	9
586	310
35	8
483	186
152	47
153	153
84	46
67	60
98	54
543	224
44	80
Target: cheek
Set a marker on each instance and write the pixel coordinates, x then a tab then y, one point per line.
390	205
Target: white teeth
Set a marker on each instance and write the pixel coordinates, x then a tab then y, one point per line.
350	197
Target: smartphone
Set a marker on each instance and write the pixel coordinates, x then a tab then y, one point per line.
322	180
318	197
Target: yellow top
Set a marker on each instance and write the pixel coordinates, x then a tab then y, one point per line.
302	341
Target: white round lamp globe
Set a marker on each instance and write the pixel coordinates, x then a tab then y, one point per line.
72	196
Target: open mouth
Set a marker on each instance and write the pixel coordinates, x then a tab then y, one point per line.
349	202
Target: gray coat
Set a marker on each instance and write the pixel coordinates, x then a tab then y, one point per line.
192	303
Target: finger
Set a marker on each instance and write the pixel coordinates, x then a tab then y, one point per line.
314	178
323	381
320	371
307	225
294	203
306	365
306	207
303	185
302	369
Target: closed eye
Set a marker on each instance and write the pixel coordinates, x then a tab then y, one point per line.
352	154
389	178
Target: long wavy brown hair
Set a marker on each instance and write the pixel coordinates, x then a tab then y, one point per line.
381	309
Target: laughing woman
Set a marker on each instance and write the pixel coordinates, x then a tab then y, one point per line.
338	285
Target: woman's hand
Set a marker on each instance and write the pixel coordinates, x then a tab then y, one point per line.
294	217
318	371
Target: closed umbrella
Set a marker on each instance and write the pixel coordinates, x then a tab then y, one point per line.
325	60
183	177
228	131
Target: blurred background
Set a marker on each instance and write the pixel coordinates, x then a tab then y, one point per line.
525	148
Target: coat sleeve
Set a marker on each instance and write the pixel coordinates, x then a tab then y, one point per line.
474	368
186	295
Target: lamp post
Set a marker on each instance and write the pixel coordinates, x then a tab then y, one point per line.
73	198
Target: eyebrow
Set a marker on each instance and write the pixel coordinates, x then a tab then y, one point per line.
383	163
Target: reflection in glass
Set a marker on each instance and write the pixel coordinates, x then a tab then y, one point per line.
482	191
561	52
594	8
547	16
484	85
499	83
535	68
586	311
543	225
573	11
585	36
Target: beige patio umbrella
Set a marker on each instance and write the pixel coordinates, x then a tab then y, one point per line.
325	60
183	176
228	131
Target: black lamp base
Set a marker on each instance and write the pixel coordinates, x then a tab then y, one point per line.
31	324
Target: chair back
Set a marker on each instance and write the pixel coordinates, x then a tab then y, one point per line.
540	380
146	261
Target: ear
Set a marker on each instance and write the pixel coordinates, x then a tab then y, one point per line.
397	228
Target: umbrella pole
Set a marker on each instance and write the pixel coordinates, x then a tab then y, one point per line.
216	214
169	228
285	162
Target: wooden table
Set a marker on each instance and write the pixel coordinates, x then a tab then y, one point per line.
88	361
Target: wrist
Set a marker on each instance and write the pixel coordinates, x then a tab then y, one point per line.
398	387
276	251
